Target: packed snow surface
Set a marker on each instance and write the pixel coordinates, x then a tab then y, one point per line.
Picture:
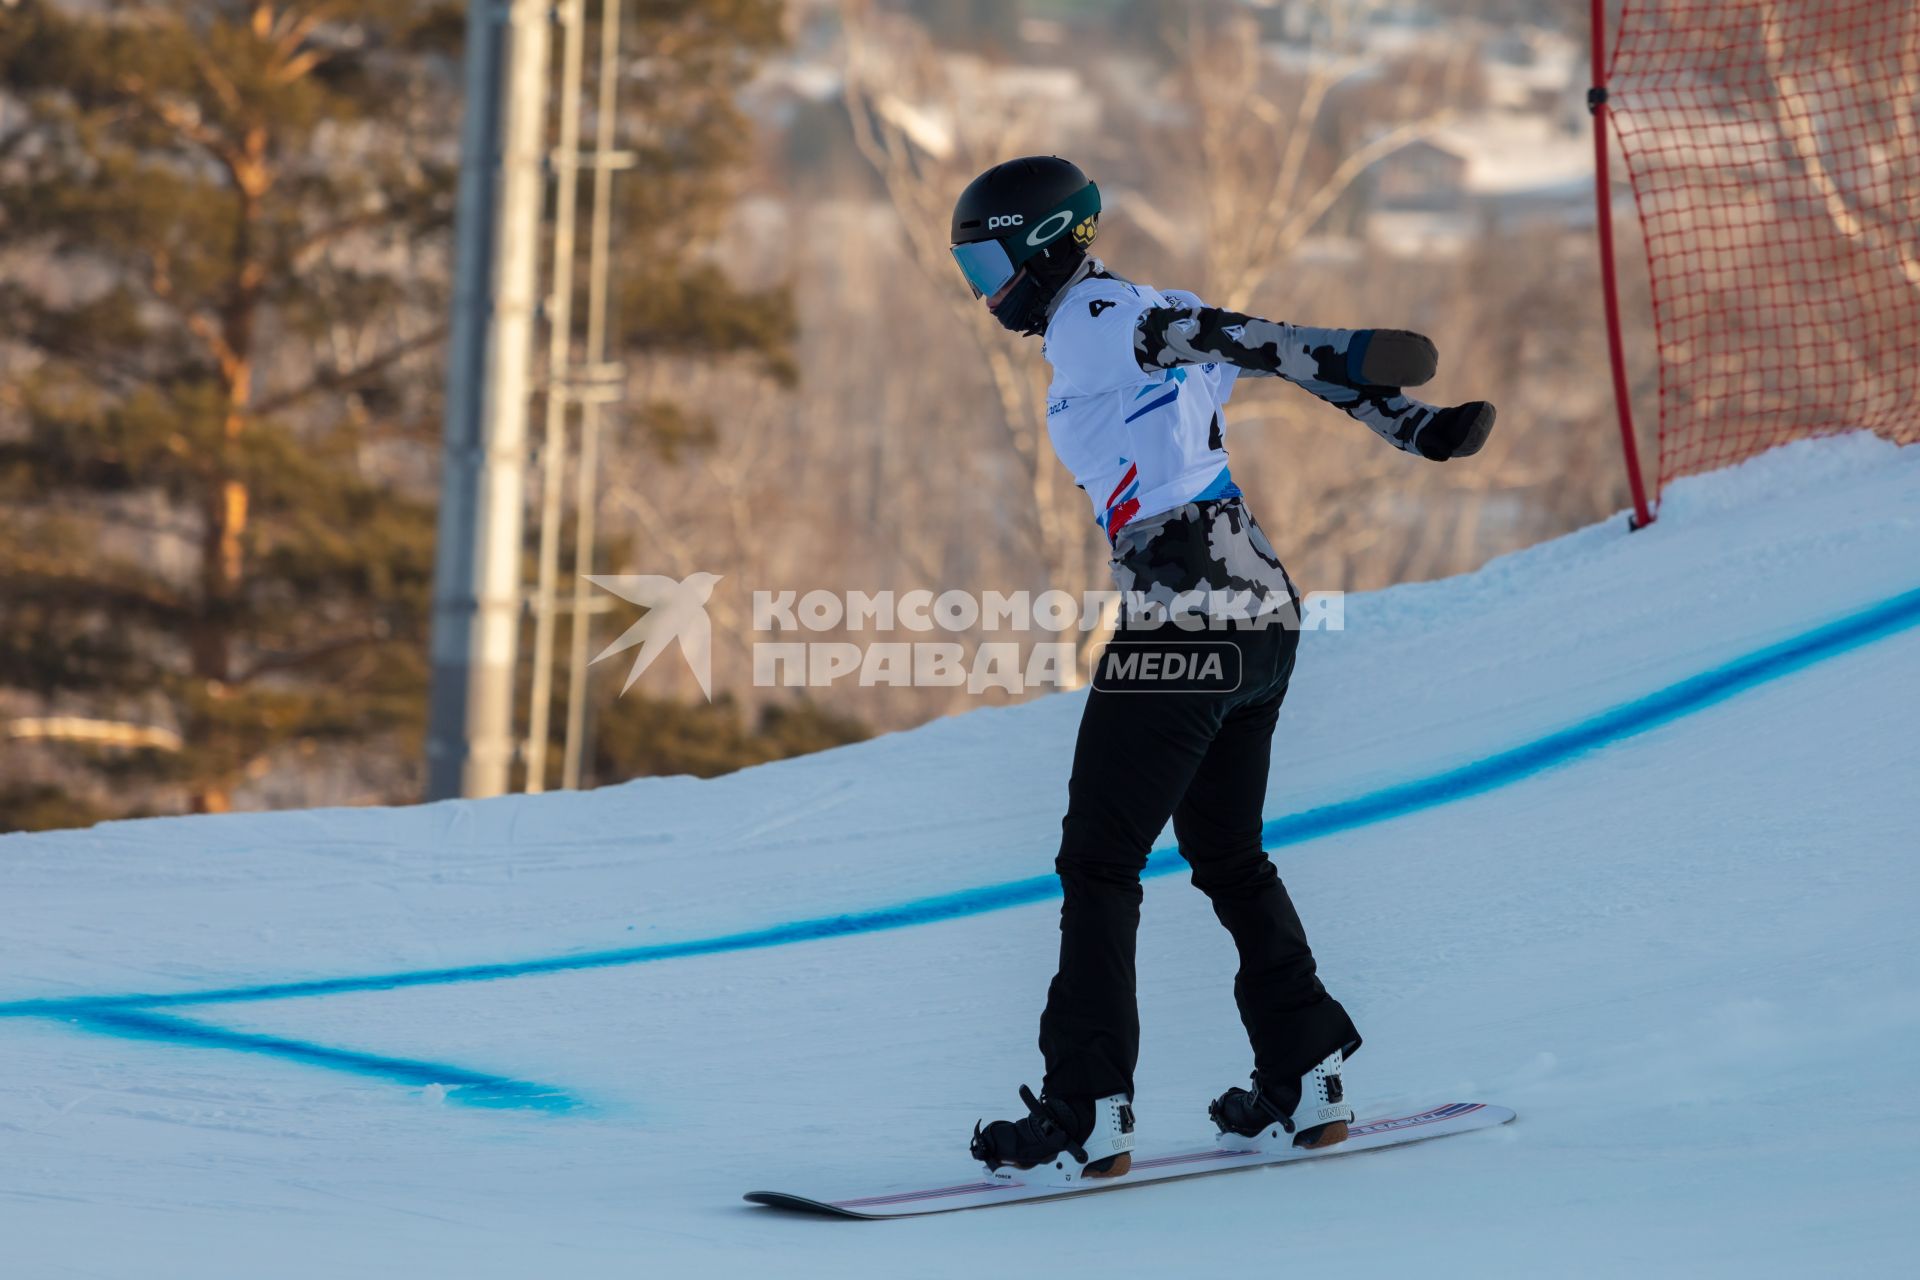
1671	924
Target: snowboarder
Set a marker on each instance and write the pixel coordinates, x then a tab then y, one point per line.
1140	377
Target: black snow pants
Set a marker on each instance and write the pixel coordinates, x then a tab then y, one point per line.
1200	758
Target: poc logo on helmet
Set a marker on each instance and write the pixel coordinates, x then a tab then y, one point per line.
1004	220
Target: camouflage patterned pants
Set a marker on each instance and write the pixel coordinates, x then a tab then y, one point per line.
1212	548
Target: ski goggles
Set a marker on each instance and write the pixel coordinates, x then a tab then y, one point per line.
986	265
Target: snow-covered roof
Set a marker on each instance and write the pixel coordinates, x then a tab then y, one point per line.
1507	154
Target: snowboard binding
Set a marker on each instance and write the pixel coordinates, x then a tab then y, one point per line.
1059	1141
1264	1118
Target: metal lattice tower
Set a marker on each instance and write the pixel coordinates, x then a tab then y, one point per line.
479	597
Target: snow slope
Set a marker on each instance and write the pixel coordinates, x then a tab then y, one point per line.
1619	831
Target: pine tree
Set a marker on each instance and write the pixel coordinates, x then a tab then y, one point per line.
221	303
223	248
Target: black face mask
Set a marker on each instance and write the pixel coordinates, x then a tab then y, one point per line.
1024	309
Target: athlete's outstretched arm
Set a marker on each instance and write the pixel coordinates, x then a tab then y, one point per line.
1358	370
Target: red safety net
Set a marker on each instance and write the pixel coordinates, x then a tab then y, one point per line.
1774	151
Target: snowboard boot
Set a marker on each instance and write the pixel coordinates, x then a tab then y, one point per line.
1313	1110
1060	1140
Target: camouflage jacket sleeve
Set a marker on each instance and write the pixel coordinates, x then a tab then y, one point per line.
1326	362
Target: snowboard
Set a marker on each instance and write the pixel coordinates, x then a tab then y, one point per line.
909	1201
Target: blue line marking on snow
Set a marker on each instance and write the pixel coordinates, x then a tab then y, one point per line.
1642	714
1507	767
473	1088
949	906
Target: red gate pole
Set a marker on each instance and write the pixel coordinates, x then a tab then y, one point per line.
1609	280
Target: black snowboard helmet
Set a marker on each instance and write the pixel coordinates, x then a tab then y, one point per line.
1031	218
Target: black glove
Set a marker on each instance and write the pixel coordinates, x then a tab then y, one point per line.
1391	358
1456	433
